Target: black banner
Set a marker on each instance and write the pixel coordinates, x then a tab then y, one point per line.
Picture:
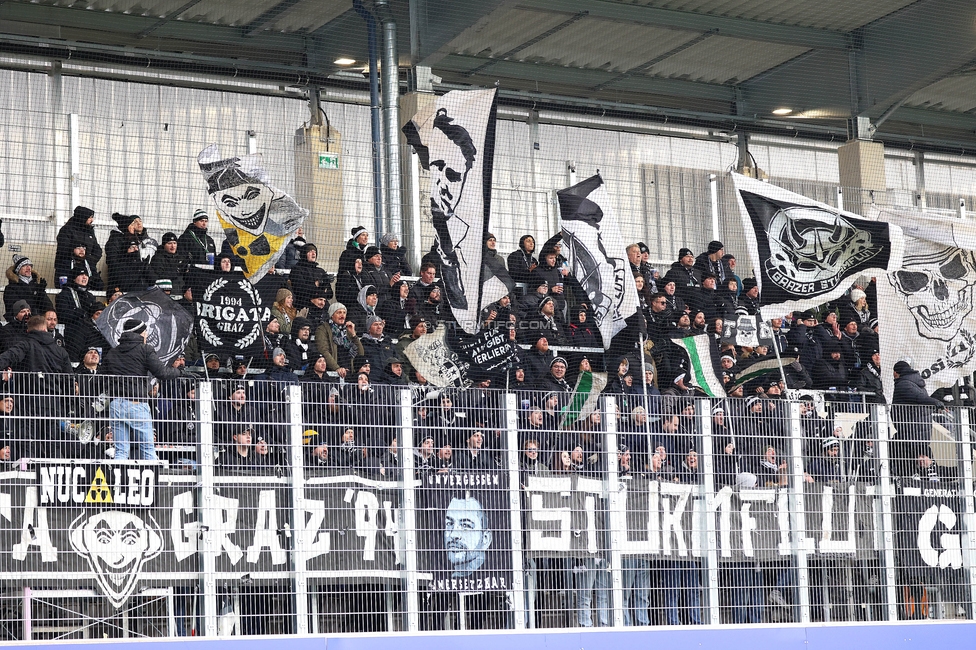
566	516
928	520
350	528
840	519
660	519
464	531
108	527
487	352
230	314
253	525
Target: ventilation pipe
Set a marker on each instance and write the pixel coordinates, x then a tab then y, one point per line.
391	115
374	116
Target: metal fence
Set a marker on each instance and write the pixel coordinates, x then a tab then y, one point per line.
257	506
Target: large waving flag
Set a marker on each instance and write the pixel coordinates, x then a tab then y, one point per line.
586	395
701	354
805	253
168	324
454	138
258	219
597	254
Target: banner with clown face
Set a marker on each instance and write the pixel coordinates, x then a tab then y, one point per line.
258	219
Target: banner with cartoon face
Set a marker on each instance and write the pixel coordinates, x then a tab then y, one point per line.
258	219
805	253
113	527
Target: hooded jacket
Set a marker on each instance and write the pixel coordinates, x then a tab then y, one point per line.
73	233
134	363
34	292
521	261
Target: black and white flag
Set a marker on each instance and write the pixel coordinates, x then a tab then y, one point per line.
230	313
930	296
805	253
454	136
168	324
597	254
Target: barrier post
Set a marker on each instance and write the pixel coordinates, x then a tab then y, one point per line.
211	521
801	545
515	508
409	511
710	541
299	551
613	485
887	519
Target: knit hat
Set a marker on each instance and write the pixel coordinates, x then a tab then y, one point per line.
643	247
133	326
389	237
370	252
558	359
94	308
123	219
82	213
283	293
748	284
373	319
165	284
715	246
751	401
309	247
901	367
684	251
299	323
76	271
857	294
334	307
170	236
200	215
19	306
357	231
317	292
277	352
830	441
20	261
544	302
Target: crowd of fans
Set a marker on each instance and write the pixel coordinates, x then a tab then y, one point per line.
342	338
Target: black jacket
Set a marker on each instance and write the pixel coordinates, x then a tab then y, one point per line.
395	261
304	278
170	266
195	243
127	271
81	336
910	389
34	292
132	362
72	305
75	232
37	353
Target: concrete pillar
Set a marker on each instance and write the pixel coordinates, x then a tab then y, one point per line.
318	188
862	169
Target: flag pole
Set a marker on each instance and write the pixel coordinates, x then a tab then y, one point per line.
779	359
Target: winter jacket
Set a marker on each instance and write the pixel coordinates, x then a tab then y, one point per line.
127	271
520	262
34	292
81	336
131	363
395	261
73	233
304	278
172	267
72	305
195	243
348	257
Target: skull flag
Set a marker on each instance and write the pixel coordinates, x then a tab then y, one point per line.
168	324
931	297
805	253
258	219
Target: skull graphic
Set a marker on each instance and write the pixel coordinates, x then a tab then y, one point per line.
811	245
936	282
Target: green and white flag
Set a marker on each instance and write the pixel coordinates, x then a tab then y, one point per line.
760	368
700	353
589	385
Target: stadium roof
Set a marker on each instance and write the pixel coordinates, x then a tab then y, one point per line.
909	67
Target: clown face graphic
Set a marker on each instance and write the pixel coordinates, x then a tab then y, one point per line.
116	545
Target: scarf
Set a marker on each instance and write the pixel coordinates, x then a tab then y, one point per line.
341	340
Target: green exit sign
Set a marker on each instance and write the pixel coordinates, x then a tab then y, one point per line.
328	160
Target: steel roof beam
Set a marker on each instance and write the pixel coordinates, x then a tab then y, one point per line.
752	30
268	17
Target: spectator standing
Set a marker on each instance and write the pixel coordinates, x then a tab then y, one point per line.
195	243
170	263
24	284
131	364
128	253
77	231
354	249
307	276
394	257
74	300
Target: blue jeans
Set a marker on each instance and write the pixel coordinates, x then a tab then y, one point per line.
132	425
681	583
636	577
591	573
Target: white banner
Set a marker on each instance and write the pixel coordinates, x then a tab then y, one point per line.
596	251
